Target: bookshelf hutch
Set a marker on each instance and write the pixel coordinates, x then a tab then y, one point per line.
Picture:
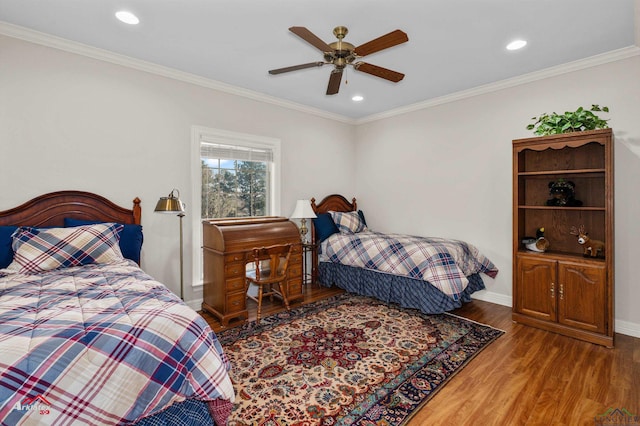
561	290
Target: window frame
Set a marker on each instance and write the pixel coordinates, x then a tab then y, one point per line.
200	134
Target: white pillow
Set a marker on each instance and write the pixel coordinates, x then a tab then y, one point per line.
348	222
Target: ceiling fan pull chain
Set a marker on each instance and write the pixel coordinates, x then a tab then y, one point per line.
346	75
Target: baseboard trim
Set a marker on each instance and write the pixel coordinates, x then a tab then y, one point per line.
627	328
497	298
196	305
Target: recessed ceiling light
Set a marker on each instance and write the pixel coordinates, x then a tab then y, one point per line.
127	17
357	98
516	44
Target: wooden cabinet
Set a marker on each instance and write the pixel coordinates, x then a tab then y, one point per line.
561	290
227	246
564	291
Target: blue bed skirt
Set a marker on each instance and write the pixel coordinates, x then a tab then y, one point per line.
406	292
190	412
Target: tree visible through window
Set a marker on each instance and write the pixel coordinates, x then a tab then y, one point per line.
234	187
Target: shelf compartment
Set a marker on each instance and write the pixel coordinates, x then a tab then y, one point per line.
533	190
558	222
588	157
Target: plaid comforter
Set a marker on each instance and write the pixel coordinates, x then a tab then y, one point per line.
102	344
442	262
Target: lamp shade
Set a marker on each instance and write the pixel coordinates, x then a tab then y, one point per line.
170	204
303	210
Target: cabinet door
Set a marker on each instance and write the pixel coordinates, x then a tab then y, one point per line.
536	288
581	295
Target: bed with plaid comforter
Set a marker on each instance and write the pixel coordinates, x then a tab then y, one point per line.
103	344
444	263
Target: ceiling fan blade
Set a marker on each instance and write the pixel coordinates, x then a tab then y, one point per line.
383	42
296	67
379	71
334	82
311	38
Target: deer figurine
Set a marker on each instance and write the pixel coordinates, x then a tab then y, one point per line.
590	247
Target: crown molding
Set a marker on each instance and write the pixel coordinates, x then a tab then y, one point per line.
59	43
604	58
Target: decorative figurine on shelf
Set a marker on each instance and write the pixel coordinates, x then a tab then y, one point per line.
591	248
563	194
539	243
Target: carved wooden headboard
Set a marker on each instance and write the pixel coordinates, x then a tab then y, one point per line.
334	202
51	209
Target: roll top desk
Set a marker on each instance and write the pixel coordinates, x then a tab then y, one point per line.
227	247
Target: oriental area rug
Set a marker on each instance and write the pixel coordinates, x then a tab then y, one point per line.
347	360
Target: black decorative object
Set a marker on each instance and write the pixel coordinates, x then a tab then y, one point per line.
563	194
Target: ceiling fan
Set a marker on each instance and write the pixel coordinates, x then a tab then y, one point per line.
340	54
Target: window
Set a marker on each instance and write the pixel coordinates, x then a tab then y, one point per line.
235	180
234	175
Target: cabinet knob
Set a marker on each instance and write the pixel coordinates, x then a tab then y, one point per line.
561	292
553	291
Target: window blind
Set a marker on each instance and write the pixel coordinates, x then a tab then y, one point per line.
210	150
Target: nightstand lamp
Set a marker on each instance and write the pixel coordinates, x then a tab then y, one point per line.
173	205
303	211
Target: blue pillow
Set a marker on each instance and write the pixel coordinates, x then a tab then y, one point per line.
324	227
131	238
6	252
362	217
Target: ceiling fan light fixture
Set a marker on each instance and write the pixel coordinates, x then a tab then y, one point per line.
357	98
127	17
516	44
341	53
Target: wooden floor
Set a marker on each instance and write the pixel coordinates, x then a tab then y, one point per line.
526	377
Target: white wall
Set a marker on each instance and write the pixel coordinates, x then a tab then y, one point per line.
446	170
72	122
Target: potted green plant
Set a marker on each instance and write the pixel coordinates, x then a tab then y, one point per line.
576	121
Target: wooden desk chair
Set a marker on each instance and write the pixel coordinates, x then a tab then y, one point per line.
270	265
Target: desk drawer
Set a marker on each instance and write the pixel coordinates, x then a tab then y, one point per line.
295	271
233	257
235	302
296	259
234	284
235	269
